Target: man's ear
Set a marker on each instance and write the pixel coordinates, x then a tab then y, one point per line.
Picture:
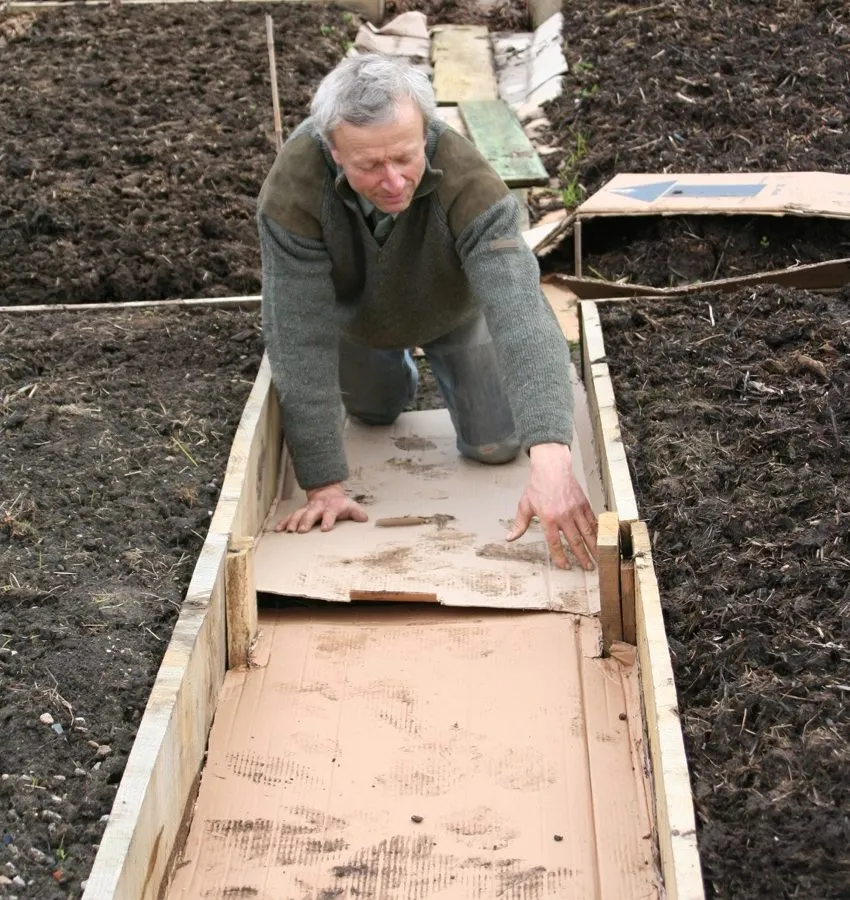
335	154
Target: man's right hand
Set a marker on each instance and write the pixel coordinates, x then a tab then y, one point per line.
325	505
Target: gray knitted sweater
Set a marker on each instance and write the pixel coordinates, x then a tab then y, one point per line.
456	249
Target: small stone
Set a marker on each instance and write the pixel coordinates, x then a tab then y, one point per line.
93	744
104	818
57	728
4	880
45	719
79	720
559	837
37	856
19	882
55	798
59	778
416	819
104	750
79	773
84	884
48	815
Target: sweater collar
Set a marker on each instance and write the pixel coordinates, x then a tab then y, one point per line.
427	184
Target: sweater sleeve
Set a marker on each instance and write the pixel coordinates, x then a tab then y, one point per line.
301	338
535	356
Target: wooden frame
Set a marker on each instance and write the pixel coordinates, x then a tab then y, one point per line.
168	753
675	825
619	493
155	795
373	10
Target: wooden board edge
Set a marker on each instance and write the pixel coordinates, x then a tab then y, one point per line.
140	840
608	564
616	479
674	808
162	769
254	460
370	9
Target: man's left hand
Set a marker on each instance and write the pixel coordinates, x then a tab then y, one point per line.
557	499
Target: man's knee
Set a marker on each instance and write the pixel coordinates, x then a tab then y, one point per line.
493	454
374	418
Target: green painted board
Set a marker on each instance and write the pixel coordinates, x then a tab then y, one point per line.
496	132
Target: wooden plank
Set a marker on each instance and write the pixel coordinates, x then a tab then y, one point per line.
370	9
674	810
163	766
251	301
627	600
168	753
241	601
463	64
497	133
619	492
608	564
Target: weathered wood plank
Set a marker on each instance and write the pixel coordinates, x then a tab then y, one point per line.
608	560
167	755
619	492
496	132
674	808
463	64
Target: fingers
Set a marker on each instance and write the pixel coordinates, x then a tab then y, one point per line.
325	514
522	520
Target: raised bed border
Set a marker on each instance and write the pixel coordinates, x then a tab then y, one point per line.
373	10
155	795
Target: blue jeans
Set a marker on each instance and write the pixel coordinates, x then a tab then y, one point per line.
378	384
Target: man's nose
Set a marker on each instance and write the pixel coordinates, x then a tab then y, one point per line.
393	180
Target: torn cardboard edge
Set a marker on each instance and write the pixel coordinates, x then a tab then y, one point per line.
825	194
829	275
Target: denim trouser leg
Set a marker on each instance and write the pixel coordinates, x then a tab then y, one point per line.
376	385
467	372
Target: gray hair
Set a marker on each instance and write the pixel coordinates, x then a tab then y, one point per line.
365	90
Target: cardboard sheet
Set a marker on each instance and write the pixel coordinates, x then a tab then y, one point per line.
530	65
403	753
766	193
459	557
405	35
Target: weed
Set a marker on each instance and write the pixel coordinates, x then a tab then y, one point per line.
572	191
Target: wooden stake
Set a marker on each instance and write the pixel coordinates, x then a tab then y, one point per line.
278	131
608	547
577	246
627	600
241	602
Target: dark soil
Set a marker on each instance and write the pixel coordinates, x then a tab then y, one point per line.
134	142
765	88
736	413
115	430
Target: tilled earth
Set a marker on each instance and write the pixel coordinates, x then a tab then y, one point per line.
134	143
736	413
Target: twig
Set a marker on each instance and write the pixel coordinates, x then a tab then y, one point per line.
278	131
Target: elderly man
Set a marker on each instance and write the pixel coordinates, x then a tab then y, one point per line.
383	229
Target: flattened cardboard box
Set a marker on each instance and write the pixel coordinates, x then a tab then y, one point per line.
457	554
756	193
407	753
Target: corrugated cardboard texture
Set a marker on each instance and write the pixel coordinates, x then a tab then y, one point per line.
411	752
768	193
460	557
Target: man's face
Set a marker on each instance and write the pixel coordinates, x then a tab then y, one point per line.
384	163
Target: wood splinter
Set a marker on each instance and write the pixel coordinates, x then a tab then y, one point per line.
440	520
